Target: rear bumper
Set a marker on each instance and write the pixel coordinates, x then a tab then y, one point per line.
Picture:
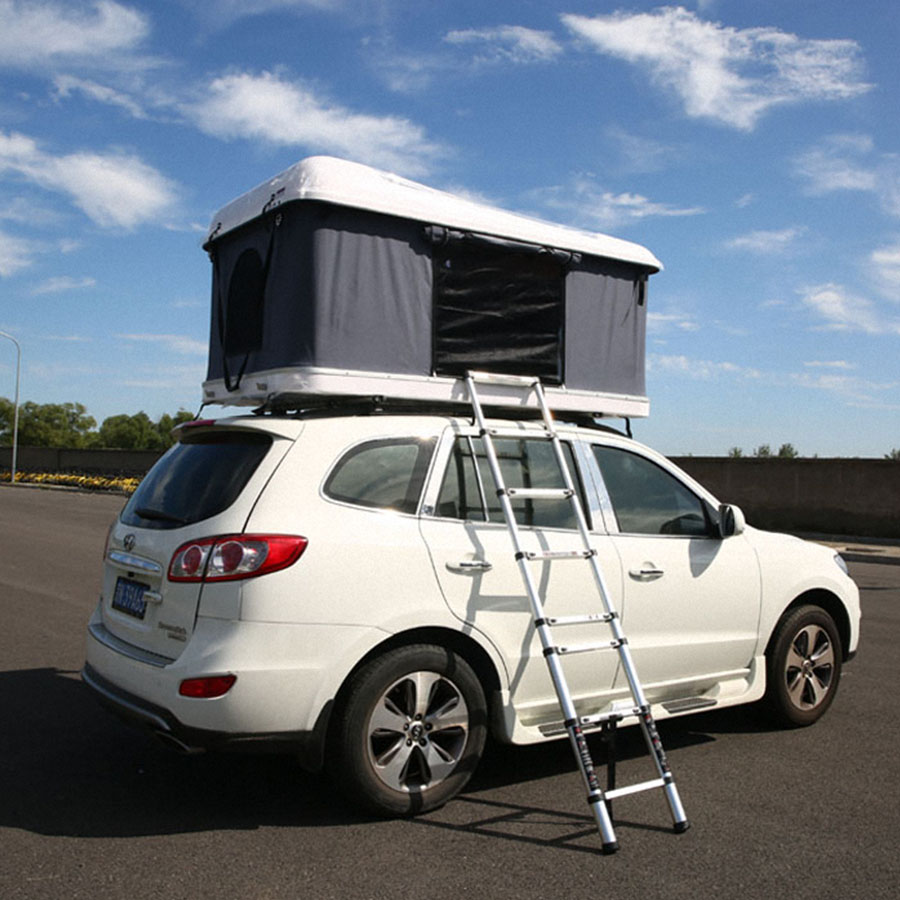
309	746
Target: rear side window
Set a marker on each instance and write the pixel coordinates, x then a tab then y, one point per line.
468	490
382	474
197	479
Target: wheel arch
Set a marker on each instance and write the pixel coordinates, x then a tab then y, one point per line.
832	605
463	645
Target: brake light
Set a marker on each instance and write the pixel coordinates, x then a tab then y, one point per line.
207	688
234	556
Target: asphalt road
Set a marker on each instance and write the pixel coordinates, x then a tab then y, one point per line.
91	808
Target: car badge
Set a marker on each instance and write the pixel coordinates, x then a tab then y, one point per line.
129	542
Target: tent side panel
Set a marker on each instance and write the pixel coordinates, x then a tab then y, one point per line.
372	284
277	308
606	320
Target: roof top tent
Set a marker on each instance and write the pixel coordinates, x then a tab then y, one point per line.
337	280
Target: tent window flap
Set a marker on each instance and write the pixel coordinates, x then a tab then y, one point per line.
498	310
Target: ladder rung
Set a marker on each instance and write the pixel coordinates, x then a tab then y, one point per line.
585	619
587	648
635	788
523	381
599	719
559	554
540	493
587	723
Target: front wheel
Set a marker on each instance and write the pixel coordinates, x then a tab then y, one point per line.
803	666
410	731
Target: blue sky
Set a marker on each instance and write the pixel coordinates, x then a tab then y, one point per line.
753	146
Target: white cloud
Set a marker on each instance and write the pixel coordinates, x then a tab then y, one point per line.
843	311
591	206
15	254
885	266
228	11
37	33
508	43
177	343
830	364
766	242
841	162
730	75
113	189
699	369
269	108
850	390
659	322
62	284
66	85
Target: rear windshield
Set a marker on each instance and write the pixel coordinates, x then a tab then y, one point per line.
197	479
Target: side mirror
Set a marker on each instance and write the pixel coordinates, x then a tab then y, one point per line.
731	520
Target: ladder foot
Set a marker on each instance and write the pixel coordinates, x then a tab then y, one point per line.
610	848
681	827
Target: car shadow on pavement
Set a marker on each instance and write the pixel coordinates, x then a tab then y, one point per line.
67	767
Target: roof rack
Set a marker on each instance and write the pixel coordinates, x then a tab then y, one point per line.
307	406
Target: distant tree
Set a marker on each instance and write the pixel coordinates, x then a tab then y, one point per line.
894	454
7	421
64	425
787	451
124	432
735	452
138	432
764	451
166	423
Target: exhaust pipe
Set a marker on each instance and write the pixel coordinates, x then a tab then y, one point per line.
175	744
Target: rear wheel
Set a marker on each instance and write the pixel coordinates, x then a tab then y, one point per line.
410	731
803	666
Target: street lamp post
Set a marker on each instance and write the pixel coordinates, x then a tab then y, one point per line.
15	443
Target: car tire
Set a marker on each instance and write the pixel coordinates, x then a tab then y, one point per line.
803	666
410	731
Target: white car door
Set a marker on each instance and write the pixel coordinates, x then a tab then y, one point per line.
474	560
691	599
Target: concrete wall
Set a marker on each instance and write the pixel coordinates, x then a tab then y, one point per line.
824	496
84	462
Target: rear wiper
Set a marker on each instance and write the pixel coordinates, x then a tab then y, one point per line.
157	514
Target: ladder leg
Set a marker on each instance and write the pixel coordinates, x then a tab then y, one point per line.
654	744
595	797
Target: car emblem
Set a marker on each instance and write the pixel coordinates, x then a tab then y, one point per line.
129	542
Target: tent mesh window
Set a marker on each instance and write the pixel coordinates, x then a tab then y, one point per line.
498	309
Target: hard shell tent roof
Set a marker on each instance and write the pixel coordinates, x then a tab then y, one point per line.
335	278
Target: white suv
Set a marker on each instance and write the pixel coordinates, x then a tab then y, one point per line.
344	586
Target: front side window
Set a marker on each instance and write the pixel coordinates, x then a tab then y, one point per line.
468	490
647	499
382	474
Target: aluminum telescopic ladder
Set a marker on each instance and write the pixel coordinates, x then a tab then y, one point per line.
574	723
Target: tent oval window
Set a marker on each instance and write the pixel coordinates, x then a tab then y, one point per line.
245	304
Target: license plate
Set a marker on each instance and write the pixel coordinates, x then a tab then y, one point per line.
129	598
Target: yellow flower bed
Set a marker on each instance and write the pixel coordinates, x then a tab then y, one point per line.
126	485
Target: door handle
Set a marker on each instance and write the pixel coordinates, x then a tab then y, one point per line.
647	572
470	565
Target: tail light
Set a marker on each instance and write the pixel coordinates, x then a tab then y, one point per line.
207	688
235	556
